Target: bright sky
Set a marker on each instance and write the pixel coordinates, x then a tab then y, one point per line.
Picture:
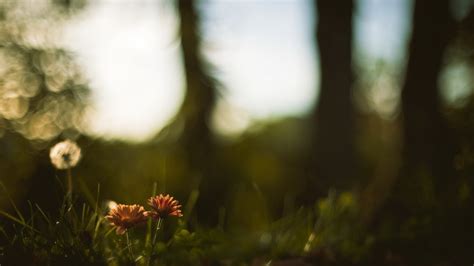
263	51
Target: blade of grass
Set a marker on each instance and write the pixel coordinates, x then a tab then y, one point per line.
12	203
86	192
97	225
149	223
109	231
64	207
43	214
5	234
263	200
83	213
19	221
193	197
97	198
32	215
69	217
91	222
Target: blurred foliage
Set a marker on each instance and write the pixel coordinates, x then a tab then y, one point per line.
42	90
339	230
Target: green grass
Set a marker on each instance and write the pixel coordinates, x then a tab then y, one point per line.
80	235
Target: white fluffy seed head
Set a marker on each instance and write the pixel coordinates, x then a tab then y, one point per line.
65	154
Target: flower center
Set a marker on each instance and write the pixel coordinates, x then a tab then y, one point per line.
67	157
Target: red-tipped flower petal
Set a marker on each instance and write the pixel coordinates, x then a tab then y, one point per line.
164	206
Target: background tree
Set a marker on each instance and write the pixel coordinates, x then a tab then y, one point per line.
333	141
195	113
428	143
427	183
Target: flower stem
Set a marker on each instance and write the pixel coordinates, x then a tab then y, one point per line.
158	226
129	245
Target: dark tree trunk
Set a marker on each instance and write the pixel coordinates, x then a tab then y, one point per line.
195	113
200	93
333	146
428	144
425	188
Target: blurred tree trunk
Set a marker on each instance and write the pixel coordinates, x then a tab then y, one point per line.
333	146
427	195
196	111
425	188
428	143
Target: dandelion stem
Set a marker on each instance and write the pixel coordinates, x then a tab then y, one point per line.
129	245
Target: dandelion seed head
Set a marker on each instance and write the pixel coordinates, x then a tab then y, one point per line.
65	154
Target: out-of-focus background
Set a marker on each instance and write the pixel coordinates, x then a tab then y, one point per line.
252	108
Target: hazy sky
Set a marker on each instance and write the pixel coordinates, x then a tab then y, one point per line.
263	51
